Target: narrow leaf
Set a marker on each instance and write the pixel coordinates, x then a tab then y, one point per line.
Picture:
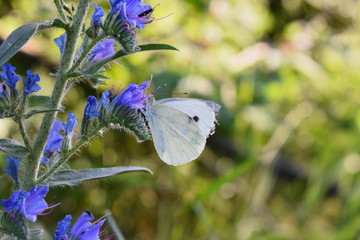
13	147
16	40
32	113
36	100
157	46
145	47
75	177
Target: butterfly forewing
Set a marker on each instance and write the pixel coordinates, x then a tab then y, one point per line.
177	137
203	112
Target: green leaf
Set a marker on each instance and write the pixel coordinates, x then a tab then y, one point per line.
157	46
32	113
37	100
94	67
75	177
56	22
16	40
13	147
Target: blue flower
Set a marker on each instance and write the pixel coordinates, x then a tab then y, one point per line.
16	203
102	50
30	204
13	168
103	105
133	96
30	83
9	76
69	126
104	101
96	18
90	109
60	42
82	229
3	91
55	138
136	14
63	228
116	6
54	142
35	204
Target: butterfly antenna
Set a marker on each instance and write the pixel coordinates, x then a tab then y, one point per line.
184	93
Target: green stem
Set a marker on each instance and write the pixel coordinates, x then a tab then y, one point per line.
73	34
60	9
24	134
69	153
20	122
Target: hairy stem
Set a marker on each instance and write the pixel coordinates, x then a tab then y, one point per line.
60	9
24	134
73	34
20	121
69	153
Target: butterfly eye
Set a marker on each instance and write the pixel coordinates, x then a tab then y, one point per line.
196	118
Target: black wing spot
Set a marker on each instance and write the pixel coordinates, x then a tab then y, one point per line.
146	12
196	118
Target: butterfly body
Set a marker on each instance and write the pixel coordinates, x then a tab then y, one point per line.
180	126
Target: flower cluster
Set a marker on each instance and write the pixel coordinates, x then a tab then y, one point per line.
121	109
30	205
9	100
124	16
82	229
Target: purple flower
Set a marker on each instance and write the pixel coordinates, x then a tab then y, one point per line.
96	18
133	96
30	204
82	229
30	83
102	50
54	141
136	14
90	109
60	42
9	76
13	168
69	126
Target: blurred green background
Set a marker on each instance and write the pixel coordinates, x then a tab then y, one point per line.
284	162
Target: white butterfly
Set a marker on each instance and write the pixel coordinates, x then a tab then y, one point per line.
180	126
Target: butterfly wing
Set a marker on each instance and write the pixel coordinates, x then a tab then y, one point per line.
203	112
177	137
